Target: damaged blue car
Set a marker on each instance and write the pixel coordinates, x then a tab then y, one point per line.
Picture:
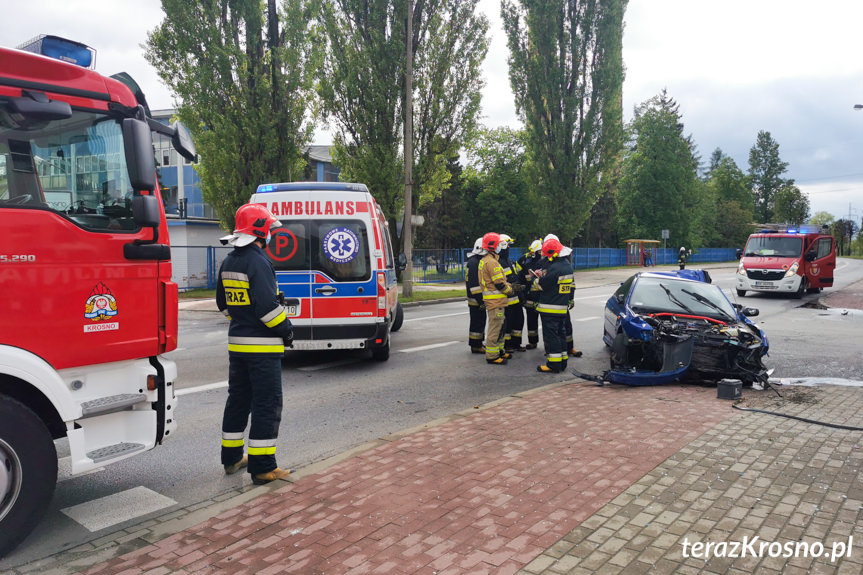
677	326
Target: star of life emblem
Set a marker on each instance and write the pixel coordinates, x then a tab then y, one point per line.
341	245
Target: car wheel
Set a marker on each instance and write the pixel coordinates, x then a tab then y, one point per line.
801	290
398	319
741	292
28	472
381	353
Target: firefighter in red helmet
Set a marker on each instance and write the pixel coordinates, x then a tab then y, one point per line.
247	294
555	285
495	293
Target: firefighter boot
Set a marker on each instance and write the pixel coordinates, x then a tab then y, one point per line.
263	478
506	355
231	469
574	353
477	350
497	361
546	369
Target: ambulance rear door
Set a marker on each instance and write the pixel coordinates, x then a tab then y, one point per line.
290	252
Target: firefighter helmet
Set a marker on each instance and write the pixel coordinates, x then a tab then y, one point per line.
551	248
535	246
506	241
478	250
252	222
491	242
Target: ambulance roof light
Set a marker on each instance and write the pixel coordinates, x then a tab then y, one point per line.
61	49
311	186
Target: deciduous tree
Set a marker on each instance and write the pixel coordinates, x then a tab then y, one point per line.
362	89
242	73
658	186
765	173
566	70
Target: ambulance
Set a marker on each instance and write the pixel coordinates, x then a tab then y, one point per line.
789	260
334	265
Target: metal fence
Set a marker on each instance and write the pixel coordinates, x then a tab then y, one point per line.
195	267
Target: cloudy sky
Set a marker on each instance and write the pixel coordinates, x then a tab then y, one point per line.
734	66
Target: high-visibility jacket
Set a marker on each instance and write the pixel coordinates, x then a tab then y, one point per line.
556	286
495	289
246	292
471	280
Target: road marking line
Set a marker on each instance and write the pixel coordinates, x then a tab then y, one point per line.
437	316
587	318
113	509
427	347
205	387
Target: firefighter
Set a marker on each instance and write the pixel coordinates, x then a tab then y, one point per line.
476	307
681	257
514	306
555	283
257	335
495	293
566	254
530	263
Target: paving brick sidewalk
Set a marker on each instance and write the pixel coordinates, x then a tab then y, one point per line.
484	493
752	475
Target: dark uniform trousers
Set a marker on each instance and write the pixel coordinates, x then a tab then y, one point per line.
476	328
554	337
254	387
514	326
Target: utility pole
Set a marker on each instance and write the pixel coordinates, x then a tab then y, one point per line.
407	277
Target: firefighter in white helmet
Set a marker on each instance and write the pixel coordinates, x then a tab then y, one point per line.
476	308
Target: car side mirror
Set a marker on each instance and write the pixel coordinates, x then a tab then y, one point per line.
739	253
750	311
810	255
403	262
620	297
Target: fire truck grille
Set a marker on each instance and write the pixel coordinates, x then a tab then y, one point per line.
769	275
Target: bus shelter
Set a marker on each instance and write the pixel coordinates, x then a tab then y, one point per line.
641	252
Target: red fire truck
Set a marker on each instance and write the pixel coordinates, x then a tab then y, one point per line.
85	273
787	260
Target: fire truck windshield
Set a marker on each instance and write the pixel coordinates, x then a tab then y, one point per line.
774	246
75	165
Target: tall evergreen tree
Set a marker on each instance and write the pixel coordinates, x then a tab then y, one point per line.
734	203
242	72
658	186
362	89
790	205
765	173
566	70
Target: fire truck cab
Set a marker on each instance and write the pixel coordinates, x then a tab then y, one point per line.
85	276
787	260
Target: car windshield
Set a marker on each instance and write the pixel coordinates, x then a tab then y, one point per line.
672	295
777	247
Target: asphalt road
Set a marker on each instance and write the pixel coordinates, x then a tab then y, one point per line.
336	401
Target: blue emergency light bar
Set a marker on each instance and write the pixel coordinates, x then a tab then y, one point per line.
61	49
311	187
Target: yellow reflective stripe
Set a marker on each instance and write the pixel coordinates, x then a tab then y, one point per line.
551	309
256	348
493	295
235	283
232	443
262	450
476	289
277	320
497	277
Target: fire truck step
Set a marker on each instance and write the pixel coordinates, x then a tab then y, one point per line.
111	403
113	451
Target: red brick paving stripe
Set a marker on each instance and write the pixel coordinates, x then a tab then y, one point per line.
484	493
